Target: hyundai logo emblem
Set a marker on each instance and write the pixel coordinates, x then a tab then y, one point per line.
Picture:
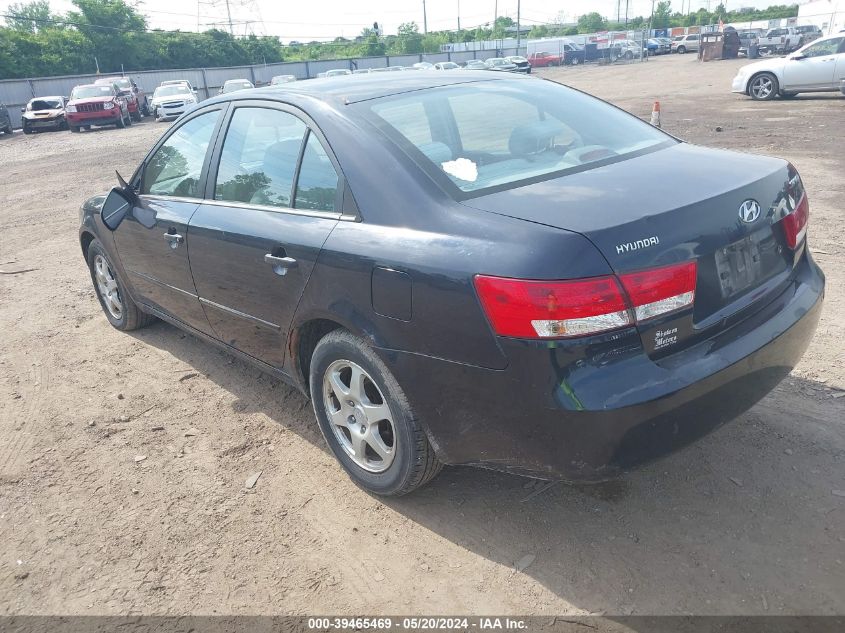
749	211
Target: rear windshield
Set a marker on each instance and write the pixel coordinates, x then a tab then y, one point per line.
494	134
88	92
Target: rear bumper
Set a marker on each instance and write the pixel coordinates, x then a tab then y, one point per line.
591	414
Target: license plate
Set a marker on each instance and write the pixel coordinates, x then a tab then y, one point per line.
43	123
739	265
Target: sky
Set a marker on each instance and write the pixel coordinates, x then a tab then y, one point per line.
327	19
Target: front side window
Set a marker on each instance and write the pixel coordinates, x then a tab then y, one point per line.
176	166
259	157
820	49
491	134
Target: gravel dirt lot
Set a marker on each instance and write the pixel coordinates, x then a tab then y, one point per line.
751	520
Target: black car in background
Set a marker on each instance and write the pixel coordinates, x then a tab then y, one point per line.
467	268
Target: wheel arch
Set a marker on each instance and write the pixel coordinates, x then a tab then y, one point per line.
85	240
303	341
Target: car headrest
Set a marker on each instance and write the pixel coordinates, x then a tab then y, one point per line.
533	138
437	153
284	152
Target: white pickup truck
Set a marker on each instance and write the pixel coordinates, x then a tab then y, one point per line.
781	41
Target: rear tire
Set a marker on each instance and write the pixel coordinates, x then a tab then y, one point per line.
136	116
74	129
117	305
763	87
376	414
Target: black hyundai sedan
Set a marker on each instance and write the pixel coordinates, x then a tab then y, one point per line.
480	269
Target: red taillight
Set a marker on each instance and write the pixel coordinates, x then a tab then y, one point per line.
660	290
551	309
562	309
795	224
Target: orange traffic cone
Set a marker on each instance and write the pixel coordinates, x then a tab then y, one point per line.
655	114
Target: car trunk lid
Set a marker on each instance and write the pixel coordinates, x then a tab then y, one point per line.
670	206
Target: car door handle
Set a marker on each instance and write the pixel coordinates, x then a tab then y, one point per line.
280	265
174	238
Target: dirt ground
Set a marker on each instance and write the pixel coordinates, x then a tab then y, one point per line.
751	520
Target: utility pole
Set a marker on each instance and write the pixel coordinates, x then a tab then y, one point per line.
618	11
229	14
459	16
425	20
518	30
495	12
626	14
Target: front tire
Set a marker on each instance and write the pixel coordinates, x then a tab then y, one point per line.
121	122
136	116
763	87
117	305
366	419
682	50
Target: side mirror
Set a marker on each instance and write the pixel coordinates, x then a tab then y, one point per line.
23	109
797	56
115	207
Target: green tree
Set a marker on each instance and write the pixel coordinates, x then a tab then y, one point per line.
662	13
30	16
409	40
591	23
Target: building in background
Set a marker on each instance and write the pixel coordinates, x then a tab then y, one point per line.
828	15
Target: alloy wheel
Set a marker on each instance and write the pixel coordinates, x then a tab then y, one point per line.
762	87
360	418
107	287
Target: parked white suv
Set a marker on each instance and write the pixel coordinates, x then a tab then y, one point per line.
683	43
816	67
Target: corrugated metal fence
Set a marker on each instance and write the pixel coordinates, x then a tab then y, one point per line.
15	93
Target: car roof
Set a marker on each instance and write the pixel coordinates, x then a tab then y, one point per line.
48	97
347	89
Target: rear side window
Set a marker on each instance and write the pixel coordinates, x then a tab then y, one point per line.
316	186
259	157
497	133
176	166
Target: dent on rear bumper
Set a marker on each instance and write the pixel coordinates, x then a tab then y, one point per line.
561	414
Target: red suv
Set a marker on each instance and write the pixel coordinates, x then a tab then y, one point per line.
96	104
136	100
